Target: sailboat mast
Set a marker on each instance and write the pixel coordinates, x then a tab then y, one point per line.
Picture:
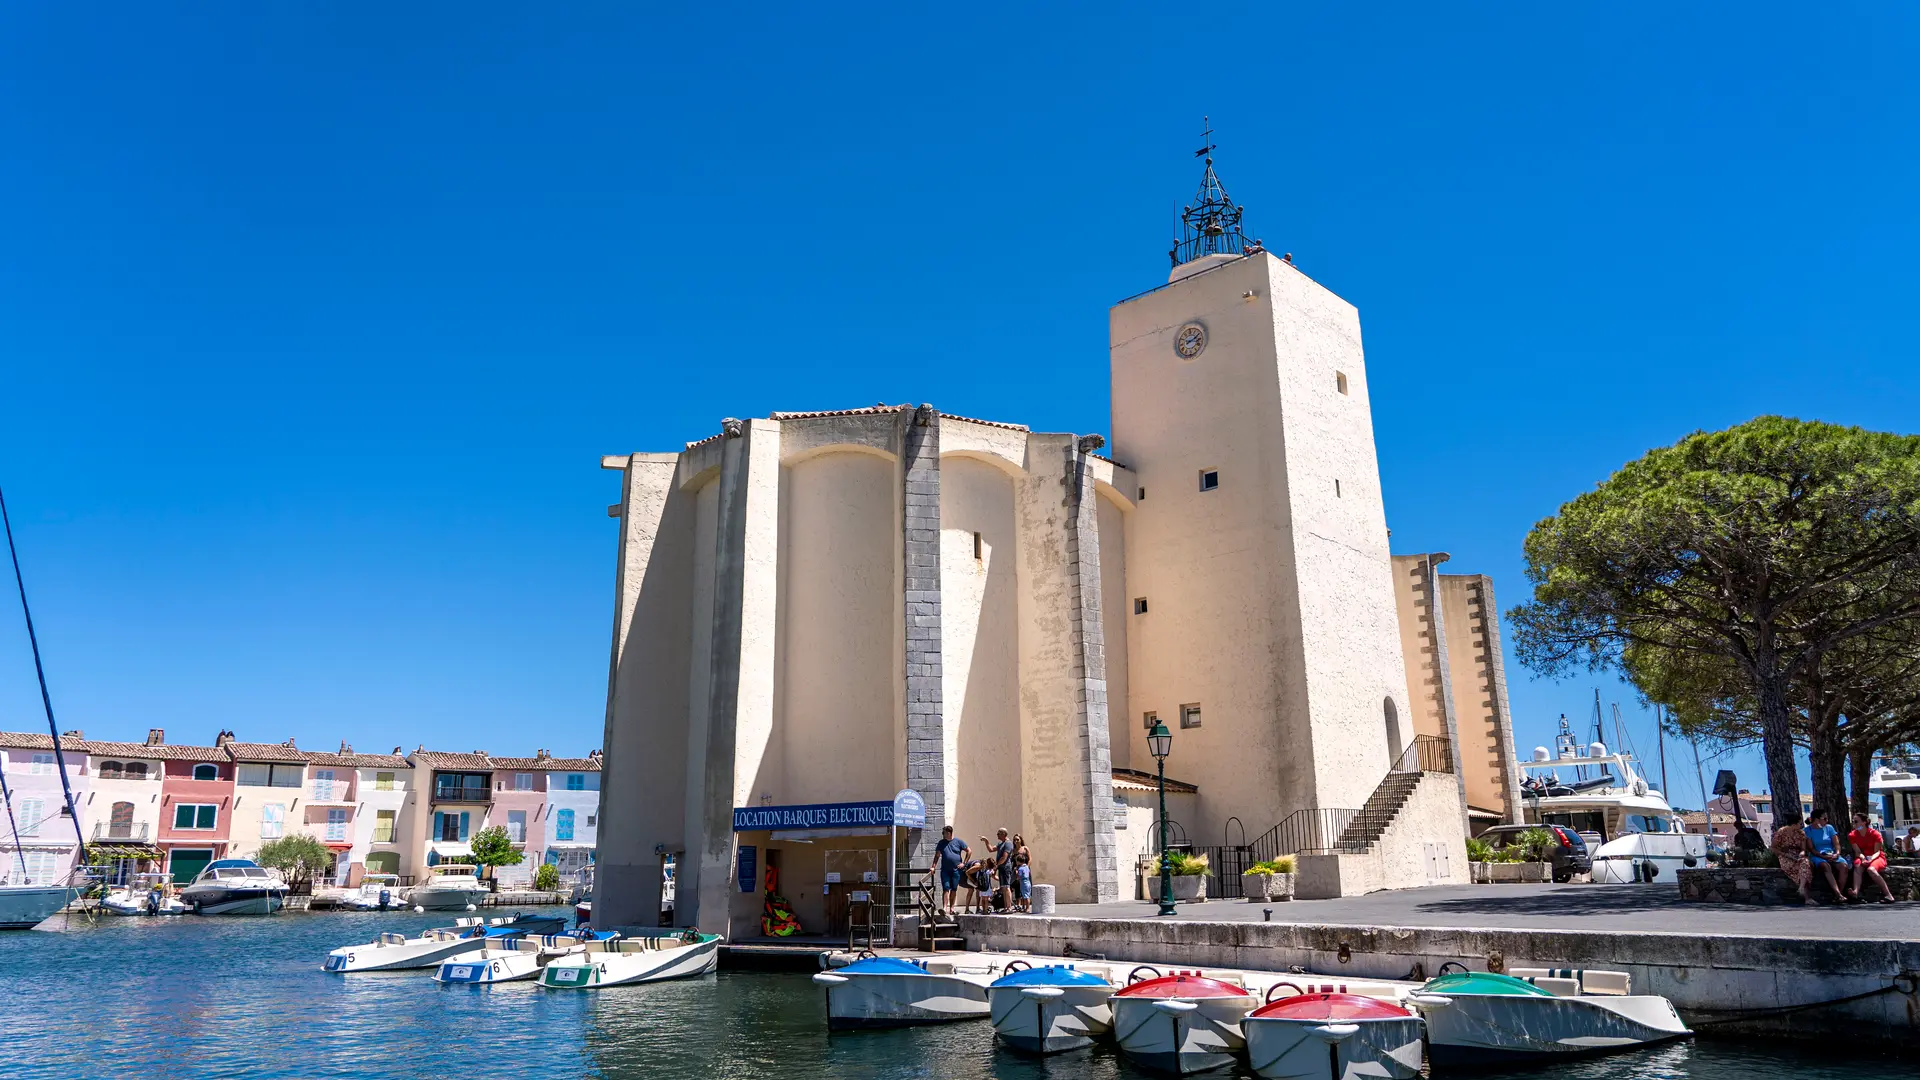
1660	734
46	699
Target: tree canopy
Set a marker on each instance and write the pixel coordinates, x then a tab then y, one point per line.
493	846
1719	573
299	856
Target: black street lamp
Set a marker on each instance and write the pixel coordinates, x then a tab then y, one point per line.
1160	743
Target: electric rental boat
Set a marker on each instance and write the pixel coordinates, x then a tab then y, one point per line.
397	952
377	892
144	894
1477	1019
1181	1023
617	961
508	958
1046	1010
235	887
1332	1037
453	887
885	991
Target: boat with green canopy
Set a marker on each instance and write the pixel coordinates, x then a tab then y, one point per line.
1477	1019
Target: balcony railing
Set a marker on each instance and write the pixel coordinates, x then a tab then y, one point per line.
462	794
104	831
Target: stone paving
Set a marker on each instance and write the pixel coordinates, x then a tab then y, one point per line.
1588	908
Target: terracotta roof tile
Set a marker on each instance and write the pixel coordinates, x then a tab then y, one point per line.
27	740
548	764
164	750
250	751
360	761
1134	780
435	759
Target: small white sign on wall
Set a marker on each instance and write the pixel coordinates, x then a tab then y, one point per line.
833	877
870	876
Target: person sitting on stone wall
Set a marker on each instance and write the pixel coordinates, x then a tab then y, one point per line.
1870	858
1910	843
1825	842
1790	846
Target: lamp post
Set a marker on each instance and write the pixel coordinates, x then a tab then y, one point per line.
1160	742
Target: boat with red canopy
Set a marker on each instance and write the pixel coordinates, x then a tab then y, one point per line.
1181	1023
1329	1036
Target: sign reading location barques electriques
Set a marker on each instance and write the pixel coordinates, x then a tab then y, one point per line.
905	810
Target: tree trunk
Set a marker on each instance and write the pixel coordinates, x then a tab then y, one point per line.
1776	733
1828	763
1860	762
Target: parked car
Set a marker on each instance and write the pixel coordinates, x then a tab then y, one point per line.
1568	859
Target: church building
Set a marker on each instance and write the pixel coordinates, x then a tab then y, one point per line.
835	632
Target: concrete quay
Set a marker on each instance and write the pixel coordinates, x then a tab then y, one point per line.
1798	973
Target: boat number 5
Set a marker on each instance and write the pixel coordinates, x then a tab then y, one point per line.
349	958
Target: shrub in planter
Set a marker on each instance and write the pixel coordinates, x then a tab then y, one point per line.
1271	880
547	878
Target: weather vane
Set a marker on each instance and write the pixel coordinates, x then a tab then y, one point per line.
1211	225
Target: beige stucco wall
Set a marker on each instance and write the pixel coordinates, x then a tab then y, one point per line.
835	719
980	655
1404	856
1116	613
1426	690
1486	735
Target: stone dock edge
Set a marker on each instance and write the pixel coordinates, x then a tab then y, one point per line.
1723	985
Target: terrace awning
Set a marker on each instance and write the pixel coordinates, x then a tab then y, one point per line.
125	851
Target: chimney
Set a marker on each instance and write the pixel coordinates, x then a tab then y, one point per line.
543	756
346	747
225	738
593	755
156	736
76	733
289	745
397	752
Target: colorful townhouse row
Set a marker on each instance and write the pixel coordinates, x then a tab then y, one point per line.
161	806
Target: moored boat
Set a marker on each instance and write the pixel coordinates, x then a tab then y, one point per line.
453	887
643	958
377	892
22	907
1181	1023
1050	1009
1477	1019
144	894
885	991
397	952
235	887
1332	1037
510	958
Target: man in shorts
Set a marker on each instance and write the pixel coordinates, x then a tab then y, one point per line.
949	855
1003	869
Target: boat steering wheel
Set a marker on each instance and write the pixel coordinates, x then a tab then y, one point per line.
1015	965
1134	975
1296	990
1462	968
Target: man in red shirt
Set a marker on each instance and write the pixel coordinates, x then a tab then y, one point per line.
1868	842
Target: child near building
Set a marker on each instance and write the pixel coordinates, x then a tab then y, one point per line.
1023	877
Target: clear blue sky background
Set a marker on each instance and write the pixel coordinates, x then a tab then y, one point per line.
315	319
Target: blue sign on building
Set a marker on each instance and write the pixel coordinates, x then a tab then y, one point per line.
748	870
910	814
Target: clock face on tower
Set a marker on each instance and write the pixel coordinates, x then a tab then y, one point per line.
1190	340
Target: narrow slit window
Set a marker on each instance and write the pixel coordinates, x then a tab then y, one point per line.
1139	605
1143	495
1336	487
978	548
1340	381
1209	479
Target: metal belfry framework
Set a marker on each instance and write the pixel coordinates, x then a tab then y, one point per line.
1211	224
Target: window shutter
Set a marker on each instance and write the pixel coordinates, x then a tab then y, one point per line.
30	812
463	824
437	825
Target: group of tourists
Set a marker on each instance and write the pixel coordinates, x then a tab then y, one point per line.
1002	880
1815	846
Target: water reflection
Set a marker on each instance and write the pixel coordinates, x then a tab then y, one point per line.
196	998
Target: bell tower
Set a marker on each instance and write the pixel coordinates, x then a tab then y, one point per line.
1270	644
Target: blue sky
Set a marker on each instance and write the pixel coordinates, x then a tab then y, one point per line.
314	320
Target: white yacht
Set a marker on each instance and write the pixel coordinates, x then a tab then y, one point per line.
1896	785
235	887
453	887
1631	832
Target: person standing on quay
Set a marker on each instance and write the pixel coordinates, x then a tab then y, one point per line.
949	855
1002	864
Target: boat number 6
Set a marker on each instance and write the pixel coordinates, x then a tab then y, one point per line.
496	967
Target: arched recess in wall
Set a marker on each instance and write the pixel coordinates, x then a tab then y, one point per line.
1395	745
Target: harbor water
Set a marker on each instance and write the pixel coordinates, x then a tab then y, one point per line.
225	997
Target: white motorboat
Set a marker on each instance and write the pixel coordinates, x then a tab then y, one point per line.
1632	833
1333	1037
144	894
1047	1010
22	907
377	892
235	887
885	992
1477	1019
453	887
1181	1023
623	960
397	952
507	959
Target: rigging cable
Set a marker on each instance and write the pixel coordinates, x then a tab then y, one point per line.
46	700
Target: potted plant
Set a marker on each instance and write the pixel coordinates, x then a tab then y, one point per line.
1189	877
1271	880
1480	859
1526	858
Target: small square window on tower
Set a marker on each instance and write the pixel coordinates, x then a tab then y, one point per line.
1139	605
1340	381
1151	719
1209	479
1190	715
